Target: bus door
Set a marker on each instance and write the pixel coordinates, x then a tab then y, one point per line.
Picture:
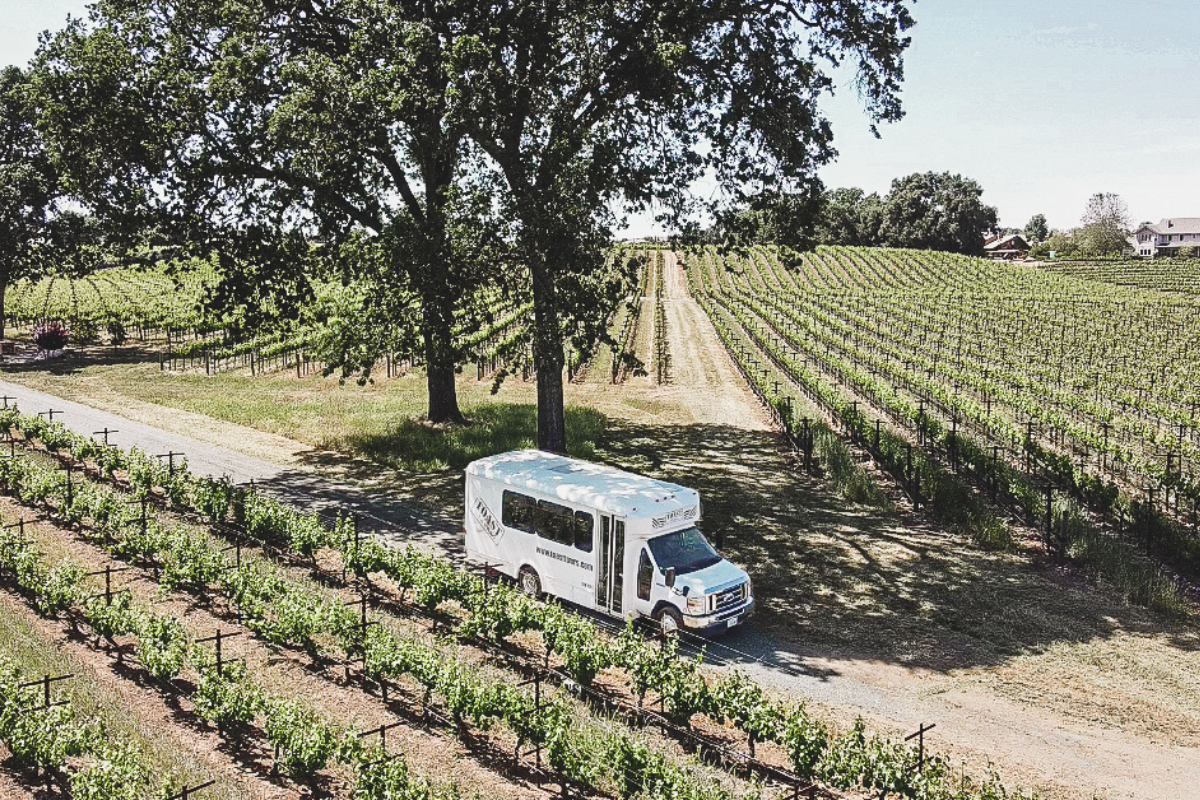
610	564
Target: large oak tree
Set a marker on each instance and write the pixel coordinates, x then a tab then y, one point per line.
256	129
585	106
937	211
29	190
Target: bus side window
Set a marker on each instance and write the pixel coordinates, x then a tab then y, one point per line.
645	575
584	531
555	522
519	511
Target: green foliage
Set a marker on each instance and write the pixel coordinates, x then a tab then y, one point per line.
59	589
162	645
29	186
37	736
289	614
1036	230
923	211
306	742
115	771
224	696
110	619
805	740
378	776
494	428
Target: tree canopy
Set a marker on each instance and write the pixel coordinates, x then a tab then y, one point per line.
1106	224
937	211
925	211
291	142
1037	230
387	128
40	228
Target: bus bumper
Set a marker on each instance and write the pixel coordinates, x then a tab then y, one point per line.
712	624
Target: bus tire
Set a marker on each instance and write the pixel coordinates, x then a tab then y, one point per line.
529	582
669	621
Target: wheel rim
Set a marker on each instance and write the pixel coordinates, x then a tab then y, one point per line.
529	583
670	626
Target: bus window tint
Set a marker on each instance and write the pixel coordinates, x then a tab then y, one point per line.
584	525
555	522
645	575
686	550
519	511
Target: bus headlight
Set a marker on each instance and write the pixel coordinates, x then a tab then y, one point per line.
696	605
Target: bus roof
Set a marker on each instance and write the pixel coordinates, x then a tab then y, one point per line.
606	489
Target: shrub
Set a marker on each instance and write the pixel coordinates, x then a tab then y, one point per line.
50	336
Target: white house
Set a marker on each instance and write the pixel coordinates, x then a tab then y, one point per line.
1167	237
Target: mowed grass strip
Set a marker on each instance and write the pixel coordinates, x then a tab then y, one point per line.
381	422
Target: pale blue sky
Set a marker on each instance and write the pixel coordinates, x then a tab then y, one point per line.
1043	103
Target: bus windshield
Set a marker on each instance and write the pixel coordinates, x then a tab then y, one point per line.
686	550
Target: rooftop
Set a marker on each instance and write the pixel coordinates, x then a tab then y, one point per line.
583	483
1175	225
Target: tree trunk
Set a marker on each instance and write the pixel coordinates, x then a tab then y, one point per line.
3	318
440	362
548	358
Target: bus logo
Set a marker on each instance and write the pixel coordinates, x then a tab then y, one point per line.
677	514
483	516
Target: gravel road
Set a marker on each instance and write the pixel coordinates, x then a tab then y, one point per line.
379	513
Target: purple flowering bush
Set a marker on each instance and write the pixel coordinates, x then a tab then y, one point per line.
50	336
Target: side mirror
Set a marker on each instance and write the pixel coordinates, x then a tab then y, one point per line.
670	577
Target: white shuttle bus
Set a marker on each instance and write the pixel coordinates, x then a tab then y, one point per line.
613	541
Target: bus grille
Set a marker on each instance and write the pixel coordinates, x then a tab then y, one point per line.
730	598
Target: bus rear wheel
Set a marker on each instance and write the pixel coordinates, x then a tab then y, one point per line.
669	621
529	582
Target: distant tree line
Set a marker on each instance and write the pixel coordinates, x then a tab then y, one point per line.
923	211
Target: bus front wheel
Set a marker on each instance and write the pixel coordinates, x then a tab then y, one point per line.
669	621
529	582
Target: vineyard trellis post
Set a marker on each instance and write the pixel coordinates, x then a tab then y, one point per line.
45	682
920	737
536	680
189	791
218	638
1149	519
105	434
68	467
107	572
382	733
170	456
1048	488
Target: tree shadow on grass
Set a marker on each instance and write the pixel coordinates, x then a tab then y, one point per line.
418	447
406	484
833	577
75	360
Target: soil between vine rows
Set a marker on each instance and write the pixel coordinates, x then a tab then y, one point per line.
1057	683
479	763
281	672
